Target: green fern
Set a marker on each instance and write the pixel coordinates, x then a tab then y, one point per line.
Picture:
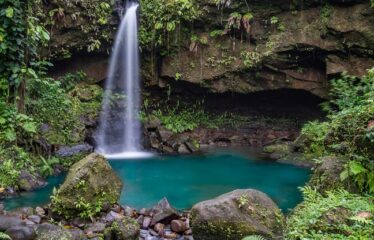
254	237
4	236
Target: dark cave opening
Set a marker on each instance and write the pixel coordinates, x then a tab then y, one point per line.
296	104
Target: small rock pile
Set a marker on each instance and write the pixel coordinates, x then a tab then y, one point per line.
115	222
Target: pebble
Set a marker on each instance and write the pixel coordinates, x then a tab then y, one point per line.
159	228
178	226
146	222
129	212
40	211
140	219
112	216
35	218
79	222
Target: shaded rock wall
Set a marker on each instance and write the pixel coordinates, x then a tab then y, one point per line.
302	50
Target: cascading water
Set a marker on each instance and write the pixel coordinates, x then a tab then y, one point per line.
119	133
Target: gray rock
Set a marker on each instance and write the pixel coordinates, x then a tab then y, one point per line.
111	216
35	218
97	227
146	222
21	233
164	134
47	231
10	221
192	147
40	211
71	151
182	149
77	234
163	212
128	211
240	213
79	222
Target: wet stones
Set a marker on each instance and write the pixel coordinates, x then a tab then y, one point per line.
7	222
179	226
163	212
21	233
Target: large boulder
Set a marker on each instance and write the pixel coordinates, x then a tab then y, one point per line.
235	215
89	185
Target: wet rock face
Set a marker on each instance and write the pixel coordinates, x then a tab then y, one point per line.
78	24
301	51
90	180
235	215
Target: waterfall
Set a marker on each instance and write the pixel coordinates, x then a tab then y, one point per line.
119	132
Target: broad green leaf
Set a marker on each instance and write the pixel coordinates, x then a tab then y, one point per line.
356	168
9	12
10	135
30	127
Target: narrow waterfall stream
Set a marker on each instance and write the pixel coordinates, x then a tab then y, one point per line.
119	133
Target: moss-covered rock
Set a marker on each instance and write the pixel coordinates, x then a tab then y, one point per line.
235	215
90	184
47	231
125	229
87	92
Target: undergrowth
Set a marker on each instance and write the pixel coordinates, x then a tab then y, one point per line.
182	118
348	132
338	215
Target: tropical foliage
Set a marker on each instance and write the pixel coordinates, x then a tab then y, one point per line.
349	130
339	215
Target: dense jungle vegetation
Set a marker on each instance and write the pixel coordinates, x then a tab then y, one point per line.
39	113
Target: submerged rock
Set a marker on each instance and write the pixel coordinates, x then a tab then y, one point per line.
91	180
235	215
29	182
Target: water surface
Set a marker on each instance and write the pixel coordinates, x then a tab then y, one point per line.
186	180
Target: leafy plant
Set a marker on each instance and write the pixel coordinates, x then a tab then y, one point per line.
186	118
254	237
338	215
243	200
8	174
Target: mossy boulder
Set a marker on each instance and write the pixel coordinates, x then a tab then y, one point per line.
89	185
47	231
87	92
124	229
237	214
